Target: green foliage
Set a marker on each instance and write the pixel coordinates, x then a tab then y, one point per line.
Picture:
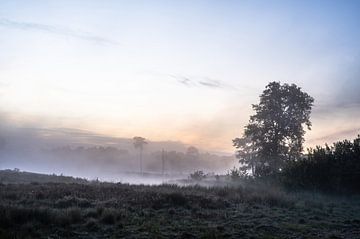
333	168
275	133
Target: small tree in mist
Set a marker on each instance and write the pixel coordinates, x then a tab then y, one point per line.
139	143
275	133
197	175
192	152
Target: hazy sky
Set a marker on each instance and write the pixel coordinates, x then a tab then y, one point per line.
176	70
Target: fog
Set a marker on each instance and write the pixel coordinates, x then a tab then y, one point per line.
92	156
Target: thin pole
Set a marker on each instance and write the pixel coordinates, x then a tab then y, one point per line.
141	170
163	162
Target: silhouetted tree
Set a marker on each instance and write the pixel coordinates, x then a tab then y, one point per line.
246	154
275	133
139	143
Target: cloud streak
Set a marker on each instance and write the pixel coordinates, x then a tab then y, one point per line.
58	30
183	80
336	136
211	83
201	82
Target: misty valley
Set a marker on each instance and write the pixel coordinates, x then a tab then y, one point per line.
88	155
129	193
136	188
179	119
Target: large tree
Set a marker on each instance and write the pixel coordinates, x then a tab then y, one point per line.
275	133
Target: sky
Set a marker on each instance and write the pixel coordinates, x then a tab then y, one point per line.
176	70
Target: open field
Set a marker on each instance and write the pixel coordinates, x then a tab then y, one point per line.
107	210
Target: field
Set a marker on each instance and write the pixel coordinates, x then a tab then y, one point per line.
109	210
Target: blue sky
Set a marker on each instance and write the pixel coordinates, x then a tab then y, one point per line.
176	70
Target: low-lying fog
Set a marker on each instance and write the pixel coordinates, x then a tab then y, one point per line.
92	156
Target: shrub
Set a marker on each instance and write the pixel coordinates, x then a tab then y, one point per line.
234	174
197	175
331	168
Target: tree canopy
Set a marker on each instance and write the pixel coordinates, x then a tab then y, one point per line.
275	133
139	142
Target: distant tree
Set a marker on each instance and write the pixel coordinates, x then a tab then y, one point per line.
192	152
139	143
275	133
197	175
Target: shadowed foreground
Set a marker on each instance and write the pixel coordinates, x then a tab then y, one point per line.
59	210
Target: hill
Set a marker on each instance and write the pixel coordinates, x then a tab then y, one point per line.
16	177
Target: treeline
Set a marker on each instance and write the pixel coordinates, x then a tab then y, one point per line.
190	161
96	150
122	160
333	168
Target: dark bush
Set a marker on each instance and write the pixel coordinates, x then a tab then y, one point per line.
197	175
331	168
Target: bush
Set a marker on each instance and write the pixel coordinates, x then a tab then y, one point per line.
198	175
234	174
331	168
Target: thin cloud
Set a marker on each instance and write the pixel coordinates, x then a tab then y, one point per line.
339	135
194	81
183	80
28	26
211	83
200	82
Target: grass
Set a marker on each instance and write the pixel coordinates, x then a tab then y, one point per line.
107	210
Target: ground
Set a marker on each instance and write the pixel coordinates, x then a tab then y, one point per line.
108	210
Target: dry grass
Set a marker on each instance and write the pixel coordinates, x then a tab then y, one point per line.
57	210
